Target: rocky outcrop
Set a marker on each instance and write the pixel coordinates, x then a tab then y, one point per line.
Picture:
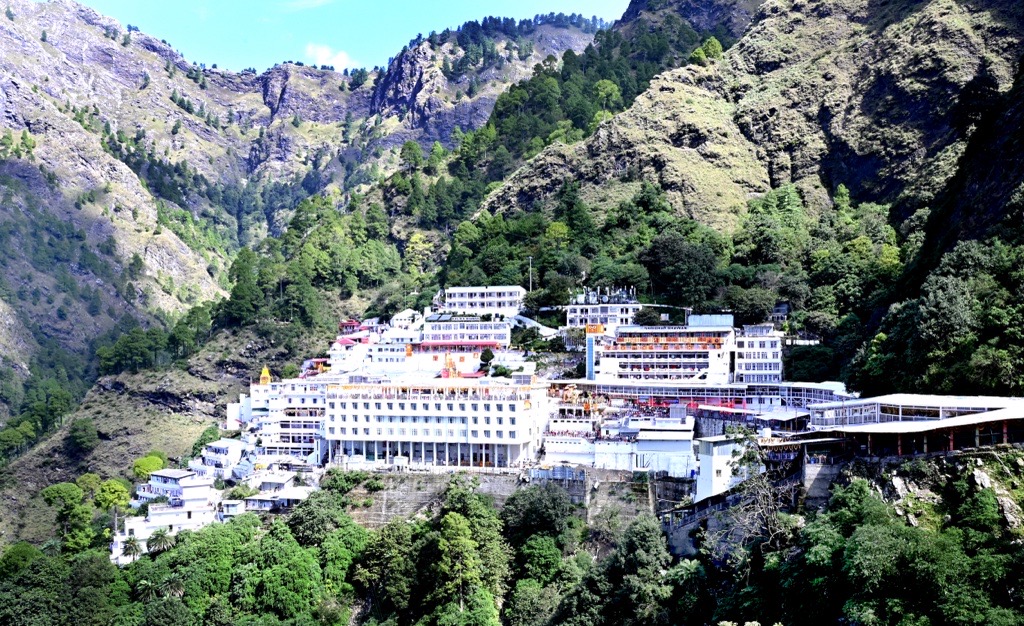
731	16
91	79
430	105
818	92
680	134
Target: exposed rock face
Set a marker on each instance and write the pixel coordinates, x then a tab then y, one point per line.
819	92
91	79
680	134
732	16
415	89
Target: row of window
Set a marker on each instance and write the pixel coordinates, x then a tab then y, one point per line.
761	378
761	367
757	344
756	355
391	419
426	406
424	432
603	310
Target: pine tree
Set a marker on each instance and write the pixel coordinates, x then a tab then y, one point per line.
28	144
712	48
7	144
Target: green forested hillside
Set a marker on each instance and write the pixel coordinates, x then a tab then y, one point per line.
948	553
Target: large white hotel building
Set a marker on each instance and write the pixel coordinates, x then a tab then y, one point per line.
456	422
708	349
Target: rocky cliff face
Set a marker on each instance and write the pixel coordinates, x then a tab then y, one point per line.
723	17
431	105
145	153
815	93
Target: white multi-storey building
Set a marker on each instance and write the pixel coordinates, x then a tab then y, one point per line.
191	504
627	440
446	331
284	417
759	354
611	310
707	349
670	353
219	458
435	422
175	485
505	300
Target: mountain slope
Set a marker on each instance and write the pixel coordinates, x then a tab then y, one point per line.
821	92
143	172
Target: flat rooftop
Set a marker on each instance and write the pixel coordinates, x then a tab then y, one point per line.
173	473
921	426
720	438
927	401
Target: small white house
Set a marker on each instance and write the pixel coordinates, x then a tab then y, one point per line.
191	505
174	484
219	458
717	457
407	319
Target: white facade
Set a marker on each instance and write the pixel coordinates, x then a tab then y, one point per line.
348	353
907	412
669	353
717	457
759	354
708	349
610	315
484	423
191	505
628	443
286	416
219	458
466	330
506	300
175	485
407	319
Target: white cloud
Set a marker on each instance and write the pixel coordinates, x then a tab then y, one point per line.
325	55
302	5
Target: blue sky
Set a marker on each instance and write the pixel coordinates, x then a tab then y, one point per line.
236	34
